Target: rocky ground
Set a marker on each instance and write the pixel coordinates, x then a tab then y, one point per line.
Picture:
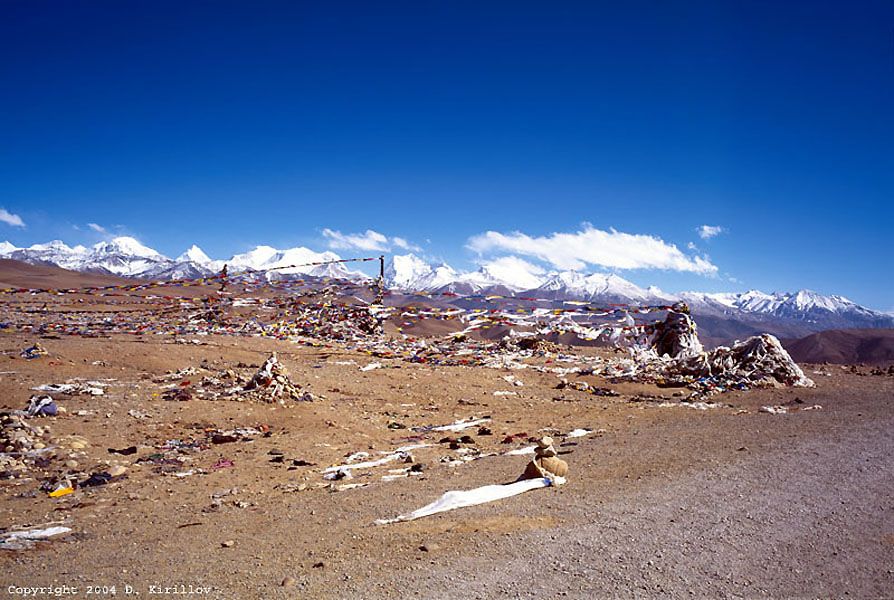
225	493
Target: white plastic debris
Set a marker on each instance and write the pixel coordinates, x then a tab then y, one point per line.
482	495
372	366
22	540
460	425
575	433
521	451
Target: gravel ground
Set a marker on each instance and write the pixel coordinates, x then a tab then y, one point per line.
661	501
809	518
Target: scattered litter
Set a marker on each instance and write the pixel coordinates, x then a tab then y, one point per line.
42	406
35	351
332	472
72	388
372	366
583	386
575	433
513	380
460	425
780	409
97	479
505	393
693	405
482	495
61	491
22	540
522	451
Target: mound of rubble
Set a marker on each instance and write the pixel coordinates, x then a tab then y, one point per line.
760	360
675	354
272	384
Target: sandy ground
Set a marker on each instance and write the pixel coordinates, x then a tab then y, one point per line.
661	501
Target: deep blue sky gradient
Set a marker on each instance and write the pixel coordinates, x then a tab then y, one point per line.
231	124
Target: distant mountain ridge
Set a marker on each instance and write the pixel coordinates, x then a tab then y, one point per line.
126	257
721	316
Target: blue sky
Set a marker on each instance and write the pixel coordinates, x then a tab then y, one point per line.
232	124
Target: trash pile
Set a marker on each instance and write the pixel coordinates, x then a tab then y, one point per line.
677	335
673	356
759	361
272	384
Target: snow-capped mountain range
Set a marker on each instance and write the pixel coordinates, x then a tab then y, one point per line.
125	256
788	314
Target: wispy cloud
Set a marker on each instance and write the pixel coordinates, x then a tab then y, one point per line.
97	228
706	232
369	240
11	218
591	246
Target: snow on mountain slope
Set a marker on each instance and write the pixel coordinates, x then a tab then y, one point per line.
56	253
194	254
778	304
293	261
408	272
125	246
404	272
571	284
125	256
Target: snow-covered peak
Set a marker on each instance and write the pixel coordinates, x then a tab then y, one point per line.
6	248
196	255
580	286
56	246
291	261
807	299
126	246
256	258
405	271
508	271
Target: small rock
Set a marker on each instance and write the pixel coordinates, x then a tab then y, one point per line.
288	582
117	470
429	547
228	544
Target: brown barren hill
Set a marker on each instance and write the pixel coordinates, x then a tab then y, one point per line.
14	273
845	346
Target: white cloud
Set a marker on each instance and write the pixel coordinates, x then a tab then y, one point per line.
692	246
706	232
591	246
10	218
97	228
403	244
369	240
515	270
